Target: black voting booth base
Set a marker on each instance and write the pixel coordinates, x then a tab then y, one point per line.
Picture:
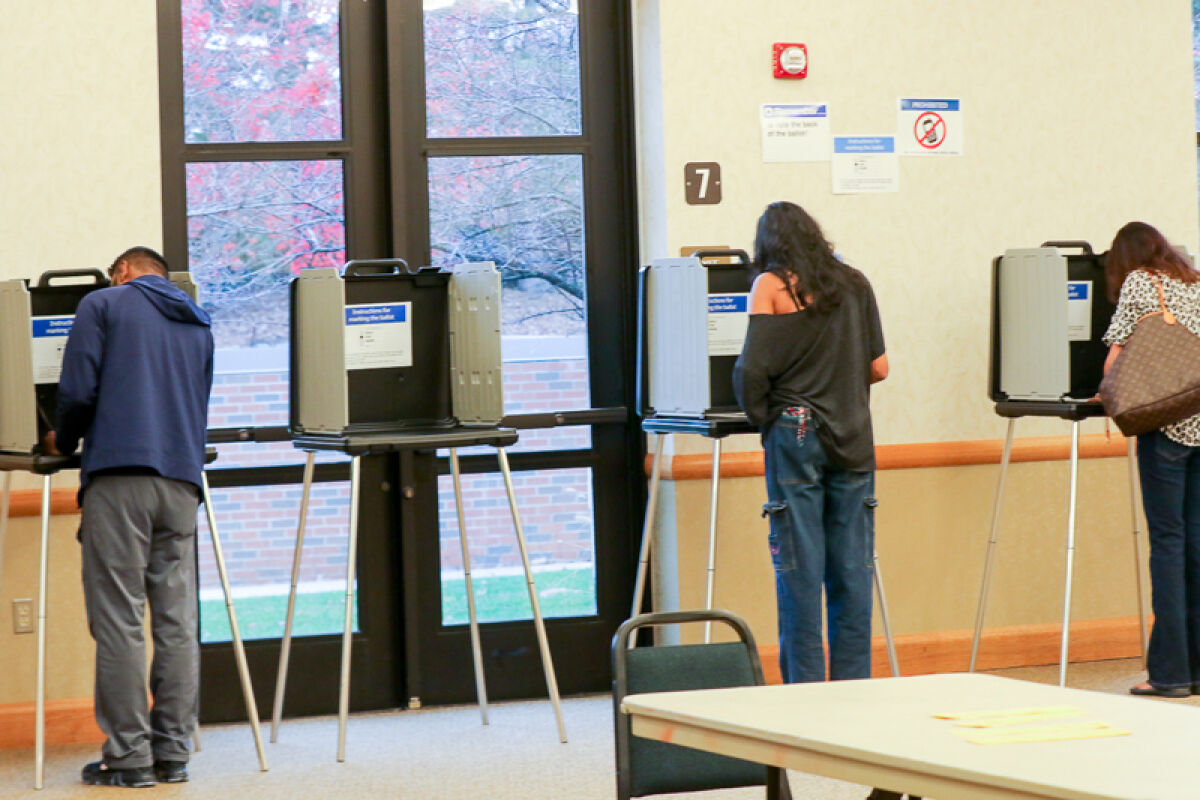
392	410
1086	361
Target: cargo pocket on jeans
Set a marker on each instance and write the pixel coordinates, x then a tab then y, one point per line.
779	538
871	504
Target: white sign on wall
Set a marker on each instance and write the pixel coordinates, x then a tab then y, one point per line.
930	127
379	335
795	132
865	165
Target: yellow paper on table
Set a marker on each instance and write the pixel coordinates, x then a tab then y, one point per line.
1022	719
1008	712
1044	733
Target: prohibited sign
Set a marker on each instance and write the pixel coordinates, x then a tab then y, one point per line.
929	127
930	130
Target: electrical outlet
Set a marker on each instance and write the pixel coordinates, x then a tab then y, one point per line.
23	616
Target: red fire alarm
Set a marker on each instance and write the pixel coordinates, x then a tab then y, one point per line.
789	60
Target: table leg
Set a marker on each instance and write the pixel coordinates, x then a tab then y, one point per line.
285	649
893	662
1135	491
1066	623
714	492
639	587
476	647
538	623
239	650
991	551
39	725
351	558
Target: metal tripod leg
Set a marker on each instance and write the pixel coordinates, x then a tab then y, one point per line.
1135	491
893	662
285	650
39	730
639	587
538	623
1066	623
991	553
476	648
714	491
239	650
351	558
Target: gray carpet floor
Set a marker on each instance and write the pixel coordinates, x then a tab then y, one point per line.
444	754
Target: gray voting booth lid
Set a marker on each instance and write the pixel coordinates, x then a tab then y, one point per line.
693	314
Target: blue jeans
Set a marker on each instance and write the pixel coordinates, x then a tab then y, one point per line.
1170	475
822	535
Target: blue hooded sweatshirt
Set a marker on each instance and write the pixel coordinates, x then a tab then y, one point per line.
136	375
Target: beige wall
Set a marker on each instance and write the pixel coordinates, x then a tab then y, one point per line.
69	648
79	182
932	530
1051	151
1062	141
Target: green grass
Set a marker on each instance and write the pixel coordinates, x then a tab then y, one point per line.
561	593
317	613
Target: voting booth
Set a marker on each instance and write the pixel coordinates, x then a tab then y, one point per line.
692	323
35	322
380	348
387	358
693	313
1050	309
1049	312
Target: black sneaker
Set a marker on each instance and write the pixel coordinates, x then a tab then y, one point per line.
171	771
100	774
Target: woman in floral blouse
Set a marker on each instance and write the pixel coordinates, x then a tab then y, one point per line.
1139	263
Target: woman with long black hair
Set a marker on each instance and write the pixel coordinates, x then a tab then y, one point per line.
1142	270
813	349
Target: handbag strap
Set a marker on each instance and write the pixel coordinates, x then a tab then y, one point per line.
1168	317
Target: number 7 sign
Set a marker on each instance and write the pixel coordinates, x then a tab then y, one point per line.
702	183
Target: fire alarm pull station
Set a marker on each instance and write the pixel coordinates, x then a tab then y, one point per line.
789	60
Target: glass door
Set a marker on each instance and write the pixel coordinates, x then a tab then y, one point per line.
266	172
513	119
300	133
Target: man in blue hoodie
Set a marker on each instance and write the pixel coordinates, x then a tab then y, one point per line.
136	375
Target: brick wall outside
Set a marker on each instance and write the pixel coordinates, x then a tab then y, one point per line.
257	524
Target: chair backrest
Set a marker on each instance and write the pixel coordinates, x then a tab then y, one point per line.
645	766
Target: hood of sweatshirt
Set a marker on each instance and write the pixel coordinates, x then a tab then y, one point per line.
171	301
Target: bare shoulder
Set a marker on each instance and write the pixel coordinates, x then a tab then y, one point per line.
767	282
762	294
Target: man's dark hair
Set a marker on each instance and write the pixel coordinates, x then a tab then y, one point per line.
143	259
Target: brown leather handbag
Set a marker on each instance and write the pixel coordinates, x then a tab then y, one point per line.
1155	380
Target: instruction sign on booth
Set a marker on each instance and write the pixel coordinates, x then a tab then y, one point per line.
930	127
49	341
379	336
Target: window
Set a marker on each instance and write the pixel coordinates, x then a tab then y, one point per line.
262	99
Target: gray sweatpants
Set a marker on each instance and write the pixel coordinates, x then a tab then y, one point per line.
139	544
